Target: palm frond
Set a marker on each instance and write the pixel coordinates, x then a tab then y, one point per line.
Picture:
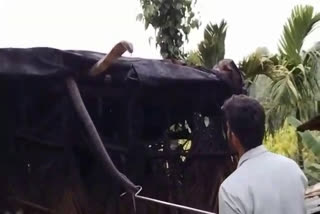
300	24
212	48
291	93
294	73
276	115
255	65
283	89
260	63
308	78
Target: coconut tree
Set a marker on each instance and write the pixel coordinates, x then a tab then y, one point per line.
293	71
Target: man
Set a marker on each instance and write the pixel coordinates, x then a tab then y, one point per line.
264	182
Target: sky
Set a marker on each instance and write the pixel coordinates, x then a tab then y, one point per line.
97	25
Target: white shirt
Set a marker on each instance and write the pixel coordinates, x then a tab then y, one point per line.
263	183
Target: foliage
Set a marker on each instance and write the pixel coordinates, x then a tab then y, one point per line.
312	171
311	141
298	27
284	142
212	48
194	59
310	138
172	20
258	63
293	71
257	89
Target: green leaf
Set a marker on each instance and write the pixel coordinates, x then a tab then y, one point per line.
212	48
314	167
191	15
313	174
293	89
139	17
194	24
293	121
179	6
146	25
300	24
172	21
311	142
193	58
187	30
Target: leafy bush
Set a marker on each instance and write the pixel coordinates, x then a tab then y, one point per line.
284	142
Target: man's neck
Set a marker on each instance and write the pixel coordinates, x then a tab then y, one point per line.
241	151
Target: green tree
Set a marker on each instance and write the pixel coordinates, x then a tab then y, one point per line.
212	48
172	20
293	72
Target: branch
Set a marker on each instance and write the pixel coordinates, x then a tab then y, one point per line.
96	143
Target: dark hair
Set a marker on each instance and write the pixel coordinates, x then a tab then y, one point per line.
246	119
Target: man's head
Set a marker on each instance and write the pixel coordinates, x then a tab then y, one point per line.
245	119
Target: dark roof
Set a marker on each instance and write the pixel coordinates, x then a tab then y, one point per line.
49	62
35	76
146	75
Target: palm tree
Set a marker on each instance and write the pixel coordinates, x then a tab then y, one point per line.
293	71
212	49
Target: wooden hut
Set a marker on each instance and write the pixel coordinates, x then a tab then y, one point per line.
79	128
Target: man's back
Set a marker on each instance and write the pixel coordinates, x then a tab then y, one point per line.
263	183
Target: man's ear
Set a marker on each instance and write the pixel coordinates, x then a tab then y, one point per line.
236	144
235	140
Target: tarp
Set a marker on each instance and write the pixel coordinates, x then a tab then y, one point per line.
50	62
164	92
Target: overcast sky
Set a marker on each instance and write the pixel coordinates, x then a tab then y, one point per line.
99	24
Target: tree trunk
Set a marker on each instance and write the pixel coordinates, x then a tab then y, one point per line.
300	152
300	145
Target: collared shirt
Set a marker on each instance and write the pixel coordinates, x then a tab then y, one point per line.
263	183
